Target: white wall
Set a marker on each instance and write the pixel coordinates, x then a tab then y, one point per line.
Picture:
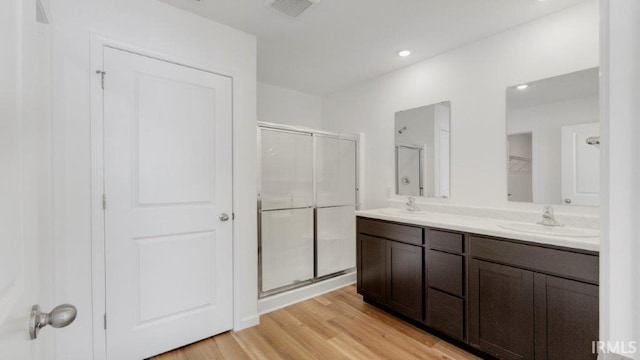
620	209
160	28
474	78
544	122
289	107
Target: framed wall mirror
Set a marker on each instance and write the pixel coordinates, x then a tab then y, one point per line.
553	137
422	137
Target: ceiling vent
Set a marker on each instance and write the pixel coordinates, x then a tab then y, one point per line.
291	8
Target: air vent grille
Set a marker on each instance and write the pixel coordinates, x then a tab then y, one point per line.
291	8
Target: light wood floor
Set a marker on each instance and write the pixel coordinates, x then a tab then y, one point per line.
337	325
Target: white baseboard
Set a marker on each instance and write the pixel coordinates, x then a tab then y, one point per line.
279	301
247	322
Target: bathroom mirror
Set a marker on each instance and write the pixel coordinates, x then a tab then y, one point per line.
553	137
422	151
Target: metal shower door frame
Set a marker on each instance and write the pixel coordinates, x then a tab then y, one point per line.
299	130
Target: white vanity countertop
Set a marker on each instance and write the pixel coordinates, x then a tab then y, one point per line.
481	226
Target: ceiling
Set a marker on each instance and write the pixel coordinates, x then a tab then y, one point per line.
338	43
577	85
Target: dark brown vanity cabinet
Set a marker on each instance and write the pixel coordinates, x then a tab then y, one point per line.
371	264
404	278
501	310
507	298
517	310
566	315
389	262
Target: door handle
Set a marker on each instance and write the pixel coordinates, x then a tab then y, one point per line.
567	201
61	316
224	217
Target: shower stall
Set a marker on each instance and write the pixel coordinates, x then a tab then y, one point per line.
307	195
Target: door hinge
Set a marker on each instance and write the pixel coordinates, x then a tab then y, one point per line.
233	216
105	321
101	73
104	201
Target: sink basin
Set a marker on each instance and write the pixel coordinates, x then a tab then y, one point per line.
404	212
551	230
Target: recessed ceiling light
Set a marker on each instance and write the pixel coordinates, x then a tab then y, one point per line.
522	87
404	53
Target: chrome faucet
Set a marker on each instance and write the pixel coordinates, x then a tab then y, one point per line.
548	219
411	204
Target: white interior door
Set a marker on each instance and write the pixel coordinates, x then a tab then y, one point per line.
24	180
15	299
580	165
18	282
167	136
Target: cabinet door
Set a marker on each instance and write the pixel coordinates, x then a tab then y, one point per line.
501	310
371	254
404	279
566	316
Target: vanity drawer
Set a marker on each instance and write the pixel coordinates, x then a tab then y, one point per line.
392	231
445	241
444	272
445	313
573	265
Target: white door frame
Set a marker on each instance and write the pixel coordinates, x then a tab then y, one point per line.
98	266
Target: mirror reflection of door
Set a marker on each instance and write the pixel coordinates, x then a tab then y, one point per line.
409	170
562	168
580	165
520	184
422	138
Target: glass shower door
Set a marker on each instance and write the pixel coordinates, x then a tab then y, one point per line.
336	199
286	169
287	247
286	208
